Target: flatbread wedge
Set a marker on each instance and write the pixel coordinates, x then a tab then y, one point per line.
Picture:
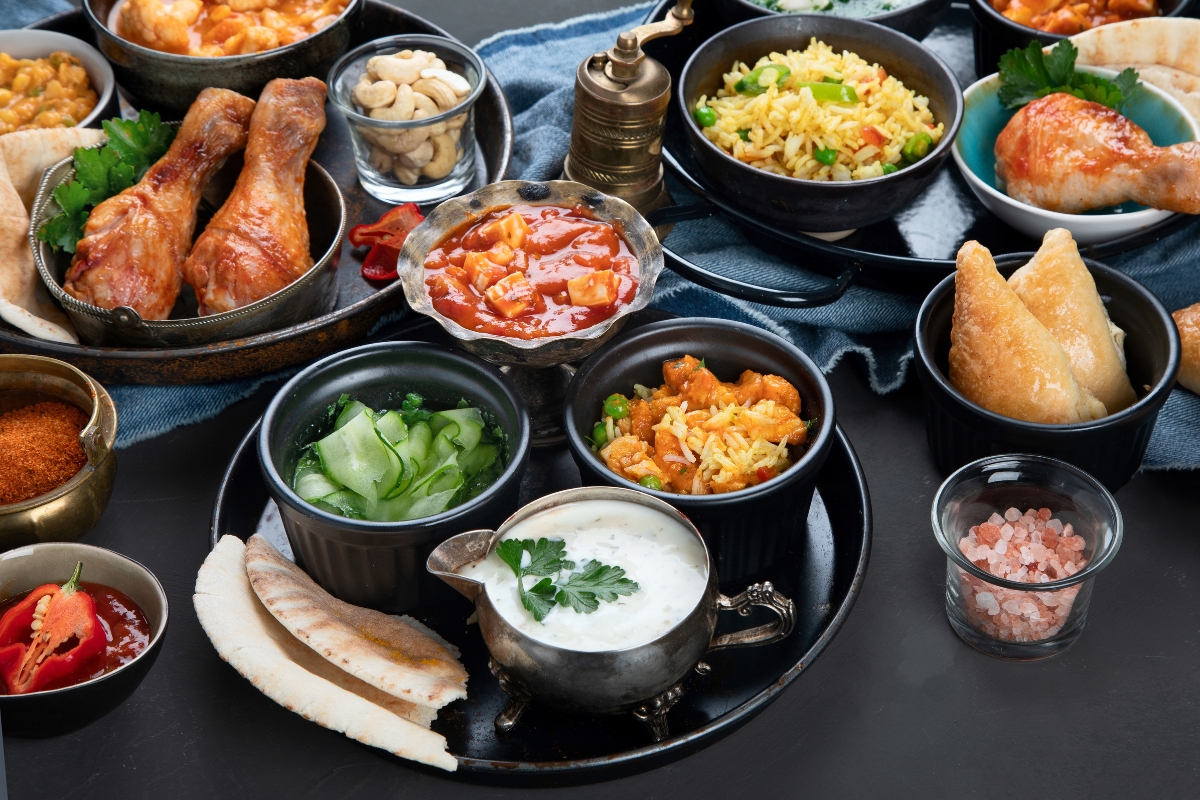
1002	358
384	651
1056	286
30	153
248	637
1188	322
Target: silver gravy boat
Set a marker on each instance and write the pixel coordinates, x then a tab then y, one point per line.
646	680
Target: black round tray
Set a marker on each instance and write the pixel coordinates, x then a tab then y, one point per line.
360	303
908	253
823	576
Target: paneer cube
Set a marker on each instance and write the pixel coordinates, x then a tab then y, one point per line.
594	290
512	296
500	253
481	272
511	230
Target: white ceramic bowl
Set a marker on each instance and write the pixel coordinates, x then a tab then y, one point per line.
1161	115
27	43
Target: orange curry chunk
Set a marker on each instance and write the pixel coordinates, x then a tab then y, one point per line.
500	253
511	229
512	296
595	289
481	271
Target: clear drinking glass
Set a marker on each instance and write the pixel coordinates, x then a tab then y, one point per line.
425	156
1011	618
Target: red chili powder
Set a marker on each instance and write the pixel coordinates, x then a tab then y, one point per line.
39	449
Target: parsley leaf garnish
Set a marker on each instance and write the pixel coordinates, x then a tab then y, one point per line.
1028	74
133	146
582	590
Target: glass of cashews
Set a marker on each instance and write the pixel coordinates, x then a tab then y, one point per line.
409	101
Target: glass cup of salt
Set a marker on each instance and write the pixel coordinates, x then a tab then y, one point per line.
1025	537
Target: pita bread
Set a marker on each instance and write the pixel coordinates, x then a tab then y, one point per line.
1057	287
386	652
248	637
1164	50
30	153
1188	322
24	301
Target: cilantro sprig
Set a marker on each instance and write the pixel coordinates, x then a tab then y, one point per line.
581	590
1026	75
133	146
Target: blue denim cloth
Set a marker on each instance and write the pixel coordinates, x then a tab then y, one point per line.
536	66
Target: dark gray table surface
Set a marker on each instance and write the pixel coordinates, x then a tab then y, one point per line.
896	706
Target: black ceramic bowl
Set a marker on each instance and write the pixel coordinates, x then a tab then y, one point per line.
59	711
996	34
1110	449
382	564
169	83
916	19
747	531
803	205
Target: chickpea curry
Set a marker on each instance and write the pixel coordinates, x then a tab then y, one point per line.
529	272
47	92
698	435
230	28
1069	18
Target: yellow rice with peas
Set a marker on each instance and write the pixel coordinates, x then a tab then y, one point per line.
785	128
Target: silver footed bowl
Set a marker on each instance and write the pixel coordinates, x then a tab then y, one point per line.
312	294
550	350
646	680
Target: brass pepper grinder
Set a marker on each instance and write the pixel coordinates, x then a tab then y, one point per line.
621	101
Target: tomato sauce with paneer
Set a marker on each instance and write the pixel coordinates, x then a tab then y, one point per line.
529	272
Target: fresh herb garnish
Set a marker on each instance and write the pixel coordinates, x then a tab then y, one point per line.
1028	74
133	146
412	411
582	590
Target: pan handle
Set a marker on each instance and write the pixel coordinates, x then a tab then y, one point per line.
721	284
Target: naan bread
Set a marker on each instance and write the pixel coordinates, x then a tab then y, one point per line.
384	651
1188	322
1002	358
265	653
1164	50
30	153
24	301
1058	289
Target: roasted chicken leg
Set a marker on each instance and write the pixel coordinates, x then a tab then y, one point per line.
134	244
1064	154
258	242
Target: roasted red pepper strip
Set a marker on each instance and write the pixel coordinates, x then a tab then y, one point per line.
32	634
380	263
394	223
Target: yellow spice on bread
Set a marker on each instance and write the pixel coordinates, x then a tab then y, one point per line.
1058	289
1002	357
1188	322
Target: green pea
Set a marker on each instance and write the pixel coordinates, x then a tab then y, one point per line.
825	155
744	134
616	406
651	482
917	147
888	169
706	117
600	434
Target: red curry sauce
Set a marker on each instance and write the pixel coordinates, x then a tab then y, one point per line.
125	627
528	272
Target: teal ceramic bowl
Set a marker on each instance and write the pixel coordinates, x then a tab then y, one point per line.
974	151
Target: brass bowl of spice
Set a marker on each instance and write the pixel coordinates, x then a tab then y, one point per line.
57	428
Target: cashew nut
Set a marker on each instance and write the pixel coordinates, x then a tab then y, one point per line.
454	133
437	91
445	156
375	95
400	70
435	62
401	108
380	159
456	123
407	175
457	83
418	157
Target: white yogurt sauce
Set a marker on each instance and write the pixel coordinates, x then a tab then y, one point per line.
657	552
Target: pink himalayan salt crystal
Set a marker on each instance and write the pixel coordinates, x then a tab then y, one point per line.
1042	549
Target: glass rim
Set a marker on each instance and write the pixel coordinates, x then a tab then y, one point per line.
466	53
1099	560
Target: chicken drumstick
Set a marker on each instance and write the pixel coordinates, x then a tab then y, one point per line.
134	243
258	242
